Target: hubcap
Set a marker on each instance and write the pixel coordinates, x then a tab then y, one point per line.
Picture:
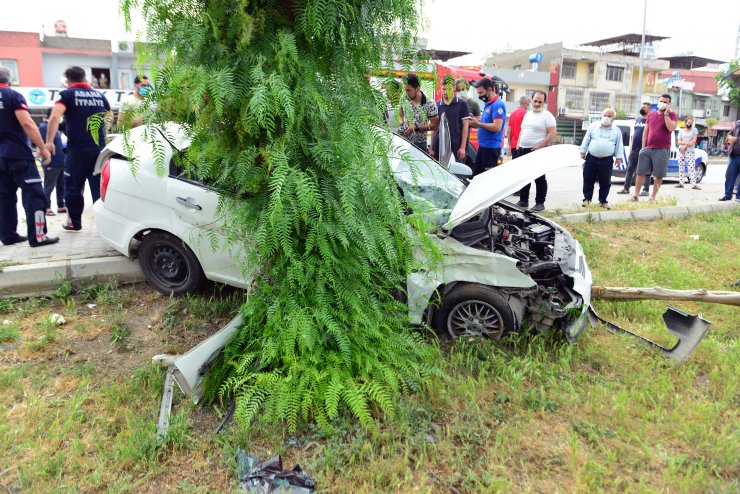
475	318
169	266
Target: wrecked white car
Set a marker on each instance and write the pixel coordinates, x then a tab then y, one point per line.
502	268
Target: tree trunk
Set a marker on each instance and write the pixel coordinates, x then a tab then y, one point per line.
658	293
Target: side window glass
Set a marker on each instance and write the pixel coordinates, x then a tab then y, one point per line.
178	169
625	135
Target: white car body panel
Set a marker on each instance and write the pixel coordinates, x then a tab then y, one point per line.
497	183
149	200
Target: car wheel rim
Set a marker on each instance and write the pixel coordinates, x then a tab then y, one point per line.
475	318
699	173
169	266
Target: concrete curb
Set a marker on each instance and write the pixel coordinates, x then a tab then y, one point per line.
43	278
665	212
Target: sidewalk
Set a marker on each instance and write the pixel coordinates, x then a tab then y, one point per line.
83	255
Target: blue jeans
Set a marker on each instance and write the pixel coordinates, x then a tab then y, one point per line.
79	165
733	170
20	174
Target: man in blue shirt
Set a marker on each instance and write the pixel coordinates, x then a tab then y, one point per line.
18	169
635	152
87	114
490	127
601	145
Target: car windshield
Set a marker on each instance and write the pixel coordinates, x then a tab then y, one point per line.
427	187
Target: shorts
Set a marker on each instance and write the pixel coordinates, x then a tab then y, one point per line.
653	162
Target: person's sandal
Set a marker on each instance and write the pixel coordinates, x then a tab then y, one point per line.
634	199
696	187
623	191
50	212
679	186
61	210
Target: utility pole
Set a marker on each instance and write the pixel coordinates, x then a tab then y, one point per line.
642	57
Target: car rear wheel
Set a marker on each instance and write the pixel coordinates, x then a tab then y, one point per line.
169	265
474	310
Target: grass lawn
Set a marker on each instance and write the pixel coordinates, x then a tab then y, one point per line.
79	402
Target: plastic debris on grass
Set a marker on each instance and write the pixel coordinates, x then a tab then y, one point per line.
265	477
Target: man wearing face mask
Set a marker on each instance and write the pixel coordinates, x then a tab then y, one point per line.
635	152
601	145
490	127
127	114
656	146
458	117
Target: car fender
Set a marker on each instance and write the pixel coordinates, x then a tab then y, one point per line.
460	263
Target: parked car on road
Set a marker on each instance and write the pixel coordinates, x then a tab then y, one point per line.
503	268
627	128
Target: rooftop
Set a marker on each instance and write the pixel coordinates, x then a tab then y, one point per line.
690	61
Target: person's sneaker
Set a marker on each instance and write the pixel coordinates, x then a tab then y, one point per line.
605	205
61	210
725	198
538	207
624	191
48	241
19	239
71	228
644	193
586	203
522	204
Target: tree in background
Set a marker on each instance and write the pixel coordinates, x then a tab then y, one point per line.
276	97
727	84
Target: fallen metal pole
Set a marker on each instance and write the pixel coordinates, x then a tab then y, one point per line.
658	293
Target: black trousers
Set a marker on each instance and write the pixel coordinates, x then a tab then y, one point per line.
631	172
21	174
79	165
54	178
597	169
540	183
485	159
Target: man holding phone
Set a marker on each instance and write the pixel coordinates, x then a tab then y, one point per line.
490	127
656	146
458	120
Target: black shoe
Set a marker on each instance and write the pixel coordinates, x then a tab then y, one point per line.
623	191
19	239
71	228
522	204
538	207
725	198
48	241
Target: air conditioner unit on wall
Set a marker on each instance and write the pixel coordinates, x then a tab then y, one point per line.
708	113
563	110
122	46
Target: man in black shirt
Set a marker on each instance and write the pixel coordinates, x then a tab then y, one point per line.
635	152
458	120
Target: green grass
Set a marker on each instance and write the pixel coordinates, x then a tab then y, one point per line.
526	414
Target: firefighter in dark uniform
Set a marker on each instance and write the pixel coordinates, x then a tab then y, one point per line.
18	169
86	114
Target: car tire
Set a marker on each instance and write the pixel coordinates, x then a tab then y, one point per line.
470	309
700	172
169	265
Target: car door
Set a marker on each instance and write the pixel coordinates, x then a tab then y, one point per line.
198	223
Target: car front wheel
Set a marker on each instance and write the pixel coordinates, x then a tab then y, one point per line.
699	172
169	265
474	310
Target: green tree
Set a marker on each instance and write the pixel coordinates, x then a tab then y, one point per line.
727	84
276	96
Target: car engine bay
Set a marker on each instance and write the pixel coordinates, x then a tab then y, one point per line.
546	253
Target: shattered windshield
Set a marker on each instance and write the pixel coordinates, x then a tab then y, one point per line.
427	187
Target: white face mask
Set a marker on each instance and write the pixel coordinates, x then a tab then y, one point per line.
606	121
662	105
462	94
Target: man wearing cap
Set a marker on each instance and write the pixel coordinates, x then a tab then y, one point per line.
18	169
458	117
490	127
87	114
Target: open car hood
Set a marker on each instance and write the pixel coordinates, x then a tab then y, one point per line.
497	183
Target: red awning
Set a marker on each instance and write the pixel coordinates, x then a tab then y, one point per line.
723	126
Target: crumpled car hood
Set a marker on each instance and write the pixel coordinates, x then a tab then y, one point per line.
498	183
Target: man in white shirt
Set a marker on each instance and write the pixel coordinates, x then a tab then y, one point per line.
601	145
127	116
538	130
